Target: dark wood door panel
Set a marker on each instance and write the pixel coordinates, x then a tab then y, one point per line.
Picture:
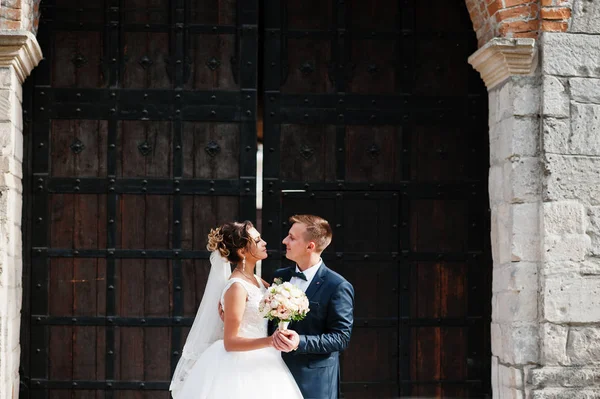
141	136
375	121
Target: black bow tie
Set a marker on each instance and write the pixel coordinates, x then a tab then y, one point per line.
299	275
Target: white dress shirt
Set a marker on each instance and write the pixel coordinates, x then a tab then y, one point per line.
309	273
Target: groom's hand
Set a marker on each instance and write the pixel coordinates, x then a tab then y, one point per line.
286	340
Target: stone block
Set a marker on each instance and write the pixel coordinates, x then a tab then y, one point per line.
593	229
553	344
585	130
571	299
493	109
565	247
10	181
510	377
514	136
526	95
572	177
496	188
527	377
14	311
591	266
515	276
504	102
568	54
564	217
496	185
526	137
18	300
6	135
501	229
583	346
579	137
495	382
585	90
555	98
7	77
515	344
16	206
568	377
525	240
16	356
10	165
556	134
564	393
511	393
523	178
18	89
519	96
6	114
515	306
585	17
18	145
564	267
500	142
10	207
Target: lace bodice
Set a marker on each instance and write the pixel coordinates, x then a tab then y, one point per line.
253	325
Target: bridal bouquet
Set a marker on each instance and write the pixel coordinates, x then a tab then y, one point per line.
283	302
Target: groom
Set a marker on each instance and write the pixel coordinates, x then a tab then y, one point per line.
311	347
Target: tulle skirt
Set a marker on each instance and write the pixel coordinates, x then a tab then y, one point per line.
259	374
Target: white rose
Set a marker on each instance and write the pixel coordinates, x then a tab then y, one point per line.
280	298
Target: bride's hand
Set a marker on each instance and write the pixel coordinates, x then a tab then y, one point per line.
275	341
286	340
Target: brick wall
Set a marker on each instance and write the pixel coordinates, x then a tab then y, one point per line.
518	18
20	15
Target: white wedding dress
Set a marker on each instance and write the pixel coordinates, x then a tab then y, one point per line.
257	374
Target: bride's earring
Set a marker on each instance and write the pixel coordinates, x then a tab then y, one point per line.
244	264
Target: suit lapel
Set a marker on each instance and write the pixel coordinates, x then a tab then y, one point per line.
317	282
287	274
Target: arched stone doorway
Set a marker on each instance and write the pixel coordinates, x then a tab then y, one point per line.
543	191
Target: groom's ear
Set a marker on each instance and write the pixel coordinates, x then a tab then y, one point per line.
311	246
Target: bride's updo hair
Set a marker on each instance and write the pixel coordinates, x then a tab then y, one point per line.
228	238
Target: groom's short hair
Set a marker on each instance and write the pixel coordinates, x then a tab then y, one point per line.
318	230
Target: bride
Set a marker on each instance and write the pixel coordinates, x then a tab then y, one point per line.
234	358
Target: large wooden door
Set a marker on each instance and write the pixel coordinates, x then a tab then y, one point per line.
140	129
374	120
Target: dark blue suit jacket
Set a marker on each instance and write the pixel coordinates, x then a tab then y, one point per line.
324	333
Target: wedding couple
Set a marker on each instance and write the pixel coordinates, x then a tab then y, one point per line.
235	353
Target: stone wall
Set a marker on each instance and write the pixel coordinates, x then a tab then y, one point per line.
11	156
570	289
515	198
545	200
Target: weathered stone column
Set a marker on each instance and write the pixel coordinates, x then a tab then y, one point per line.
19	54
570	273
545	200
508	67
